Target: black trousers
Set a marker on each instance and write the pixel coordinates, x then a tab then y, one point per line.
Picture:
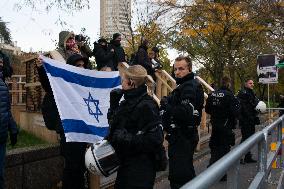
181	150
217	152
247	130
74	164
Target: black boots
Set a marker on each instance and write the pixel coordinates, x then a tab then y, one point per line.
248	159
224	178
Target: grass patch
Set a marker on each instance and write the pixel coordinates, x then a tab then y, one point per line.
25	139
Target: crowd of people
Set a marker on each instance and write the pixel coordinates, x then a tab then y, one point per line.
138	139
108	55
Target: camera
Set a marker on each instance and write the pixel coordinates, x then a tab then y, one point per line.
80	38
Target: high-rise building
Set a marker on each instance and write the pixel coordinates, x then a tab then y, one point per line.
115	18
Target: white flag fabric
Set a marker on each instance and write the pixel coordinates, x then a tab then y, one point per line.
82	99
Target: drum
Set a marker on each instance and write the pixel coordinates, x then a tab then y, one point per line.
101	159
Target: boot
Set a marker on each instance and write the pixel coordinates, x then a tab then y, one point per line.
248	159
224	178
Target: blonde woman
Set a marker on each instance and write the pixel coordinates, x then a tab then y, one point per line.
135	132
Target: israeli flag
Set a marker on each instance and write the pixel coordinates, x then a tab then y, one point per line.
82	99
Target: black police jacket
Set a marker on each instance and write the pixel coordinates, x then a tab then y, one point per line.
248	101
223	107
135	137
182	103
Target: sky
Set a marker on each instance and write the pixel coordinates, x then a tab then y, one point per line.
38	30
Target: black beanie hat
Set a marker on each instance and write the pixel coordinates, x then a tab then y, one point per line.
102	40
155	49
116	35
76	57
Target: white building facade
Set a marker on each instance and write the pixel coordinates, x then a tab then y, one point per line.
115	16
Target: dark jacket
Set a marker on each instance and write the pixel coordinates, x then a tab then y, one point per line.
182	103
180	120
119	54
104	57
224	108
7	122
222	105
138	112
86	52
143	59
248	101
48	107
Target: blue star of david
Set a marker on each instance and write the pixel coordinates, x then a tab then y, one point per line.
97	111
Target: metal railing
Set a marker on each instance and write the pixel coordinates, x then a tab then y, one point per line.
230	163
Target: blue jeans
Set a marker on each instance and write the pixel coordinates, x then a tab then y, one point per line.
2	164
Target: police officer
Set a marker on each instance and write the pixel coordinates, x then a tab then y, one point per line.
223	107
181	113
248	115
135	133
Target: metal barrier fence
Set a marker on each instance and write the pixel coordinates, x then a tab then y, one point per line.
230	163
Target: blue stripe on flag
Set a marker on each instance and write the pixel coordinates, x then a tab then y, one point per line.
82	80
79	126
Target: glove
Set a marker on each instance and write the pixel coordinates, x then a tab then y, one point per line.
163	103
115	96
13	138
122	136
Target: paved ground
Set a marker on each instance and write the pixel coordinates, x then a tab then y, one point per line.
247	173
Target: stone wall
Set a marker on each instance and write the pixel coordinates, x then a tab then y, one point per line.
16	110
33	123
34	168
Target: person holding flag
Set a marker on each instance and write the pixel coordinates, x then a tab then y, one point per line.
73	152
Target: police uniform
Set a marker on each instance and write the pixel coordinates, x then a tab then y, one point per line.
248	115
223	107
181	113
